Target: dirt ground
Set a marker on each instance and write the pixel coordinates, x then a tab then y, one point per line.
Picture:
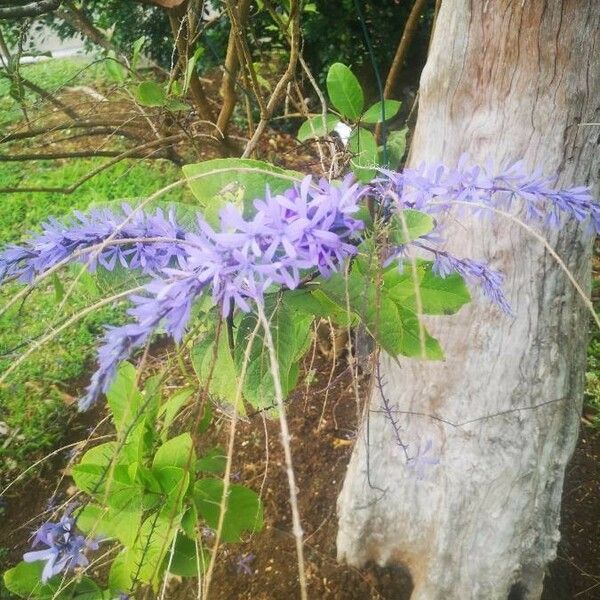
320	457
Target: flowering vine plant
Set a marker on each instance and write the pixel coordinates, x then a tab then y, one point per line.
237	280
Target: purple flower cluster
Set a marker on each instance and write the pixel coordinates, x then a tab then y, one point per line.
436	187
491	281
311	227
60	240
308	227
64	549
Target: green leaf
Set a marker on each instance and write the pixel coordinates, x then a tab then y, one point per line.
241	181
364	148
24	580
172	406
314	302
152	545
243	510
392	324
120	576
213	461
191	67
190	520
344	91
176	452
223	375
443	295
150	93
374	113
137	48
189	560
59	288
174	482
110	523
409	226
396	147
314	127
124	398
206	419
115	70
291	332
176	105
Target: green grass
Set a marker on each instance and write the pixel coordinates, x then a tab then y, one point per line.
50	75
34	402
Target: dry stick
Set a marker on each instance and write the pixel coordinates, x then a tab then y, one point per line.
231	68
227	474
79	124
331	373
398	61
282	26
128	153
244	54
76	18
282	83
403	46
133	153
285	442
181	33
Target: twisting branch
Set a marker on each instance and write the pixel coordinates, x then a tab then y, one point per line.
86	124
76	18
182	34
230	72
127	154
18	9
403	46
388	411
281	86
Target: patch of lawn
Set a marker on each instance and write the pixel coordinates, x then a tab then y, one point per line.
34	403
50	75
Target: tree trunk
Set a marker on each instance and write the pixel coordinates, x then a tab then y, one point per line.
505	79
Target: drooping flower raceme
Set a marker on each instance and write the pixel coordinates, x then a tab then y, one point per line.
64	548
435	188
61	240
310	228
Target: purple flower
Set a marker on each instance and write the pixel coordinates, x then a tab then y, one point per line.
436	187
309	227
59	240
65	549
421	462
491	281
242	565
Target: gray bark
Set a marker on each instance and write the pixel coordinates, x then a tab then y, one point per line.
504	80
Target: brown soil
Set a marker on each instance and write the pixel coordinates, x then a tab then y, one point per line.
320	458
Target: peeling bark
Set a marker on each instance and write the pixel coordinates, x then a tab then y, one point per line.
504	80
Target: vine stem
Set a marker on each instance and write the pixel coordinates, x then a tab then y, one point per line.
227	474
285	442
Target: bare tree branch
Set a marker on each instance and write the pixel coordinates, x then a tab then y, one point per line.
16	9
127	154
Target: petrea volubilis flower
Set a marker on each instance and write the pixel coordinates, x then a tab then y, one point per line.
308	227
60	240
423	460
435	188
64	548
